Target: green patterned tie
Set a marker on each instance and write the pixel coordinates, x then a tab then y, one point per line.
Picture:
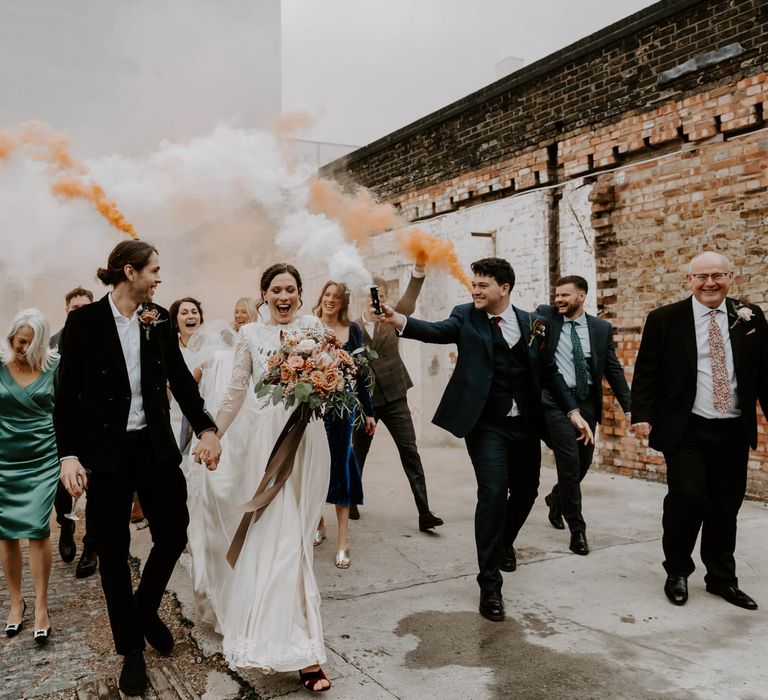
579	364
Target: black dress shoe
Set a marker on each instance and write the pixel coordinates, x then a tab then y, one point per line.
67	546
508	560
579	544
734	596
555	516
492	605
87	565
676	588
354	512
157	633
428	521
133	677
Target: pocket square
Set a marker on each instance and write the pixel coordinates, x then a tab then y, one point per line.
752	331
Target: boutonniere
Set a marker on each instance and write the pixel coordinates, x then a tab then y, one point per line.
149	317
538	328
742	314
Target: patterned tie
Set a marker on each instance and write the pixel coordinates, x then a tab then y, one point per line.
721	385
579	364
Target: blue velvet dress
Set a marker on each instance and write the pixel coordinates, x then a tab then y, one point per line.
346	486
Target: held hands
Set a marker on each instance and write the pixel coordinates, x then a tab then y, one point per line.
641	430
208	450
582	426
73	477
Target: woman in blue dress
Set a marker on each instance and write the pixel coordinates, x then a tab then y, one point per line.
29	464
346	487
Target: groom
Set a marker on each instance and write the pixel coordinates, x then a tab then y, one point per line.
114	437
493	400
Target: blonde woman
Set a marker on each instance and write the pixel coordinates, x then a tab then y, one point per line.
246	311
29	464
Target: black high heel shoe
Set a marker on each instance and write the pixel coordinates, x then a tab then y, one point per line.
41	636
13	630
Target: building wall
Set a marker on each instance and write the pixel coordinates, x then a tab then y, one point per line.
593	162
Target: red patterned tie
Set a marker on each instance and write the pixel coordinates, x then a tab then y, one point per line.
721	385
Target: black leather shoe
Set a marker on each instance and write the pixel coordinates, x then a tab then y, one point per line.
555	516
67	546
87	565
508	560
579	544
492	605
157	633
354	513
676	588
133	677
734	596
428	521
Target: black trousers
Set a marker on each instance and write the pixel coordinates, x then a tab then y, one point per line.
397	417
162	491
572	458
707	480
63	504
506	456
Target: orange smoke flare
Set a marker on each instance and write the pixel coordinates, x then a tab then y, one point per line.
419	245
359	214
53	149
70	188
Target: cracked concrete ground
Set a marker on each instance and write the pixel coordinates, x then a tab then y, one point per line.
402	621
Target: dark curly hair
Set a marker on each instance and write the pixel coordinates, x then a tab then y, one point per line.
278	269
173	312
498	268
134	253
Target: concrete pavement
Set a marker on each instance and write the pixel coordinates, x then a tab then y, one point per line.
402	621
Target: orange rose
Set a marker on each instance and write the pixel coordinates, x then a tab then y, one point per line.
287	374
346	358
330	379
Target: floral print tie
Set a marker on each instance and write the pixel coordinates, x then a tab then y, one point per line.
721	385
579	364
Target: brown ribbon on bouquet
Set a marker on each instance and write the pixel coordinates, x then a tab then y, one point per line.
279	468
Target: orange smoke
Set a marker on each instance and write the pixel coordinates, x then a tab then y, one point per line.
419	245
290	124
39	143
359	214
71	188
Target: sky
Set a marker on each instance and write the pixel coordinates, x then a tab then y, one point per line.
364	68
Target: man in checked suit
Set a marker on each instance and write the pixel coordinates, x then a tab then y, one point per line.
584	354
493	399
389	397
701	368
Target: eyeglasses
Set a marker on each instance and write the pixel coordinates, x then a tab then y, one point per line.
715	277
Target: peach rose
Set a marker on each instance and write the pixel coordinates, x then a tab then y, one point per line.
330	379
295	362
287	374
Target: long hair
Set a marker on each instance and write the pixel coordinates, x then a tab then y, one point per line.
39	356
251	307
173	312
134	253
343	291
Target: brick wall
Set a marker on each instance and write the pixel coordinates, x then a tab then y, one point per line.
643	174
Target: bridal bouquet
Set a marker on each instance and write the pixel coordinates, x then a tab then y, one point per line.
312	369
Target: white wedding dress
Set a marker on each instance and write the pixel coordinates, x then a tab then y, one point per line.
268	607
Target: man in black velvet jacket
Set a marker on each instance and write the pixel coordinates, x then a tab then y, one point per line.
112	419
493	400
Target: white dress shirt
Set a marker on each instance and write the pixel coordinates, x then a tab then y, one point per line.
129	332
564	349
704	404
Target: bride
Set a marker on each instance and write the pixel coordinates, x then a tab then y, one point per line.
268	606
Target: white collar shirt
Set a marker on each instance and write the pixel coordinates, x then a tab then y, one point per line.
704	404
564	349
129	332
510	330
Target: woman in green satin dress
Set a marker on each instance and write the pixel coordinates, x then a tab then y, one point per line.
29	465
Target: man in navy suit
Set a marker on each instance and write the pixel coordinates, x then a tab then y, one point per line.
493	400
701	369
584	353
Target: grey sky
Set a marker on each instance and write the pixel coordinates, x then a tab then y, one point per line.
365	67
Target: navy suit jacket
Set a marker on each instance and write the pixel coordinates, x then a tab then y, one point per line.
468	388
664	383
603	360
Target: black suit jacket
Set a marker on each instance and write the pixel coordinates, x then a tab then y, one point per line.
603	360
94	396
664	384
468	388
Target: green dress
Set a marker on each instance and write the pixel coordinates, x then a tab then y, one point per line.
29	464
